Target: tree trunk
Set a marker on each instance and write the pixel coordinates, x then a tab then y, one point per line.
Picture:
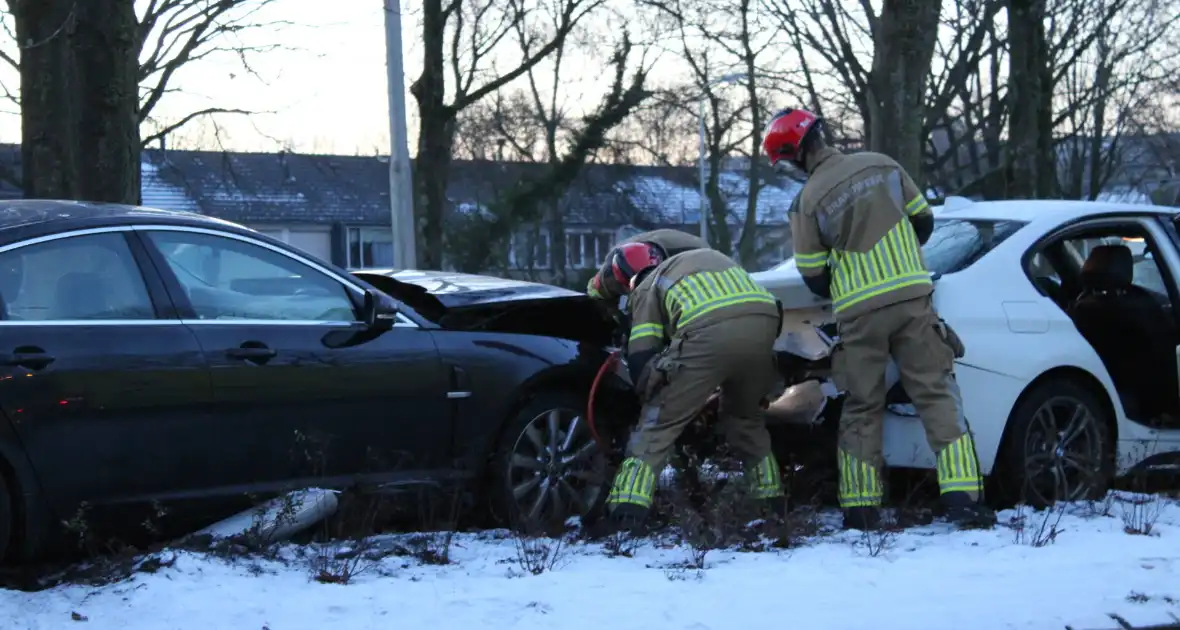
436	122
905	37
719	236
80	100
748	243
1029	90
46	73
105	48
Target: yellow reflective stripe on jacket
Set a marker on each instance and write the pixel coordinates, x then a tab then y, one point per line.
957	467
916	205
646	330
811	261
706	291
894	262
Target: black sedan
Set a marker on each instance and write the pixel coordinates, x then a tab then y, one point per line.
165	361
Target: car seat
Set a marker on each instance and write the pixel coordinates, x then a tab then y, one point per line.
1130	331
81	295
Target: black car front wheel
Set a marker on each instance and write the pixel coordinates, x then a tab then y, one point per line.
548	466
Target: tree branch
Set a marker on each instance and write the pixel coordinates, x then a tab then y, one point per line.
210	111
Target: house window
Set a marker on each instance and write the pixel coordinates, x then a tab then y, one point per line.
369	247
585	250
529	241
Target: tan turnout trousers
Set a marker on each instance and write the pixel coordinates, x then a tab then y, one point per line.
911	332
734	354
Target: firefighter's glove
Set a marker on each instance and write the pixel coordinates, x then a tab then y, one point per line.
950	338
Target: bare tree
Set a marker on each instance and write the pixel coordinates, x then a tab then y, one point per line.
529	201
79	126
663	132
93	74
890	90
466	33
1158	124
1115	85
1030	163
721	43
174	34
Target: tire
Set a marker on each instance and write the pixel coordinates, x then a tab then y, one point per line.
6	521
580	475
1031	467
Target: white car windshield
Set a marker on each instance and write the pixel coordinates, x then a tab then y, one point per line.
954	244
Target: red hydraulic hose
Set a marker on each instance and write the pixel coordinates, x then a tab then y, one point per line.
606	366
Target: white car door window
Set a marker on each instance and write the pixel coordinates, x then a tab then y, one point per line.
87	277
226	278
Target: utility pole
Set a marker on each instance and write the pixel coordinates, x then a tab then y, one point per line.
401	200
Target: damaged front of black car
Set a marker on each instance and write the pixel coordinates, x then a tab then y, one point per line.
524	357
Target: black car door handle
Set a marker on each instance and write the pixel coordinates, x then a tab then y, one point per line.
251	351
27	357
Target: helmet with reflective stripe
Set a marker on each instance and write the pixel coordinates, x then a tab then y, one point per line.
630	260
788	133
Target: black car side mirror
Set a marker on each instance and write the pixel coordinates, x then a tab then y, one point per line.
378	312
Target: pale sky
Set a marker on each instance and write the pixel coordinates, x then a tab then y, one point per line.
328	94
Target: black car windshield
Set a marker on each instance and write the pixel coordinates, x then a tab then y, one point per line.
956	244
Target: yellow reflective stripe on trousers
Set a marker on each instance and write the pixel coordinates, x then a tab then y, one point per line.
635	483
916	205
860	483
894	262
766	484
958	469
706	291
646	330
811	261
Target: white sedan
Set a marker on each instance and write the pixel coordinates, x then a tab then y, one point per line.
1067	312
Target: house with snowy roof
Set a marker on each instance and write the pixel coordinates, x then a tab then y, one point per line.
337	207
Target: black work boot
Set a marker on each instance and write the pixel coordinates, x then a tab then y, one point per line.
628	518
863	518
774	508
967	513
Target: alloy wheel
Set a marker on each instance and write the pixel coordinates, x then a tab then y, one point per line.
1063	452
556	469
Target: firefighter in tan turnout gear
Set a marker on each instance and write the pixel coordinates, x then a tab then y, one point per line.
670	242
858	228
698	322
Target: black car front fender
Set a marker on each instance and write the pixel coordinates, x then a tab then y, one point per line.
505	371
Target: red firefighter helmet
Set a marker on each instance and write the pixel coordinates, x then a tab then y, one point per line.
629	260
788	133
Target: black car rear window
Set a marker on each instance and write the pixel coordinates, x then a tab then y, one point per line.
956	244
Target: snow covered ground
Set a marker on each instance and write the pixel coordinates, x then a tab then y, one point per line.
926	577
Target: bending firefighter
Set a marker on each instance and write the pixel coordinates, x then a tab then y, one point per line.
603	284
858	227
699	322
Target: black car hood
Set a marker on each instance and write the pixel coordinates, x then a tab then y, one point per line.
465	302
455	290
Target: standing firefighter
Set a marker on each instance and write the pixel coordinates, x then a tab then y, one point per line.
669	243
699	322
858	228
